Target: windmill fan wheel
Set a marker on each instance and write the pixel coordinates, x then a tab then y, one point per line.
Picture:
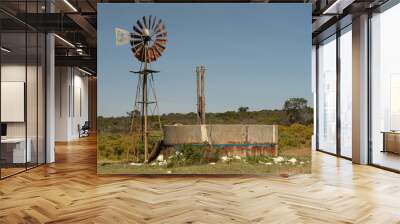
148	39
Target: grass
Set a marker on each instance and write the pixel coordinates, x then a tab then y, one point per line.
218	168
122	146
253	165
116	151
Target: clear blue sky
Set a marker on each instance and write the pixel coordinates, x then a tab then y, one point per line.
256	55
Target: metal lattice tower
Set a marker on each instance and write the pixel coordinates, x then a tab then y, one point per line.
148	41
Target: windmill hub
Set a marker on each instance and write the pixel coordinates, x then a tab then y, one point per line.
146	32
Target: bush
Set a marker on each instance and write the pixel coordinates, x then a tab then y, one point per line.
189	154
295	136
116	143
120	147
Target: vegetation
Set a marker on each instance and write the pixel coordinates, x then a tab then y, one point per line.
243	116
117	147
297	111
234	166
243	109
295	136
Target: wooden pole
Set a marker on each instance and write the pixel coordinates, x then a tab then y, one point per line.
201	111
198	84
203	100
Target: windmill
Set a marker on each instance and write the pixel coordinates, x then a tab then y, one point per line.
147	41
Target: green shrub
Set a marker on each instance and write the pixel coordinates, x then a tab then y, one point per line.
295	136
116	143
189	154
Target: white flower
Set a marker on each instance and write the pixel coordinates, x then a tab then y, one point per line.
278	159
293	160
162	163
301	162
268	164
135	164
238	157
169	171
224	158
212	163
160	157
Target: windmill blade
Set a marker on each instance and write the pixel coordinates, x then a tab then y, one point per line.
138	49
137	30
149	56
164	34
137	42
154	22
135	50
139	53
135	36
157	51
158	32
159	48
149	22
157	25
159	45
144	22
138	46
140	25
122	36
156	55
161	42
160	29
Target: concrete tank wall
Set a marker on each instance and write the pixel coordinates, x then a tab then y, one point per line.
220	134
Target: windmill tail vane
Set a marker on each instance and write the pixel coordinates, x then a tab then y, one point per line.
122	37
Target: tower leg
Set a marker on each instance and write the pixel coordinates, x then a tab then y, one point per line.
145	131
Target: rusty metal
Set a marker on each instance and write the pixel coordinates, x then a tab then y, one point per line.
201	103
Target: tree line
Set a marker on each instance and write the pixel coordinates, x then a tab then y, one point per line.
294	111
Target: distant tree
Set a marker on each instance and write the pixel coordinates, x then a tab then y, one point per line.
135	113
295	109
243	109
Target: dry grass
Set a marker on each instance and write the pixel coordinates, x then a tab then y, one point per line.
258	166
